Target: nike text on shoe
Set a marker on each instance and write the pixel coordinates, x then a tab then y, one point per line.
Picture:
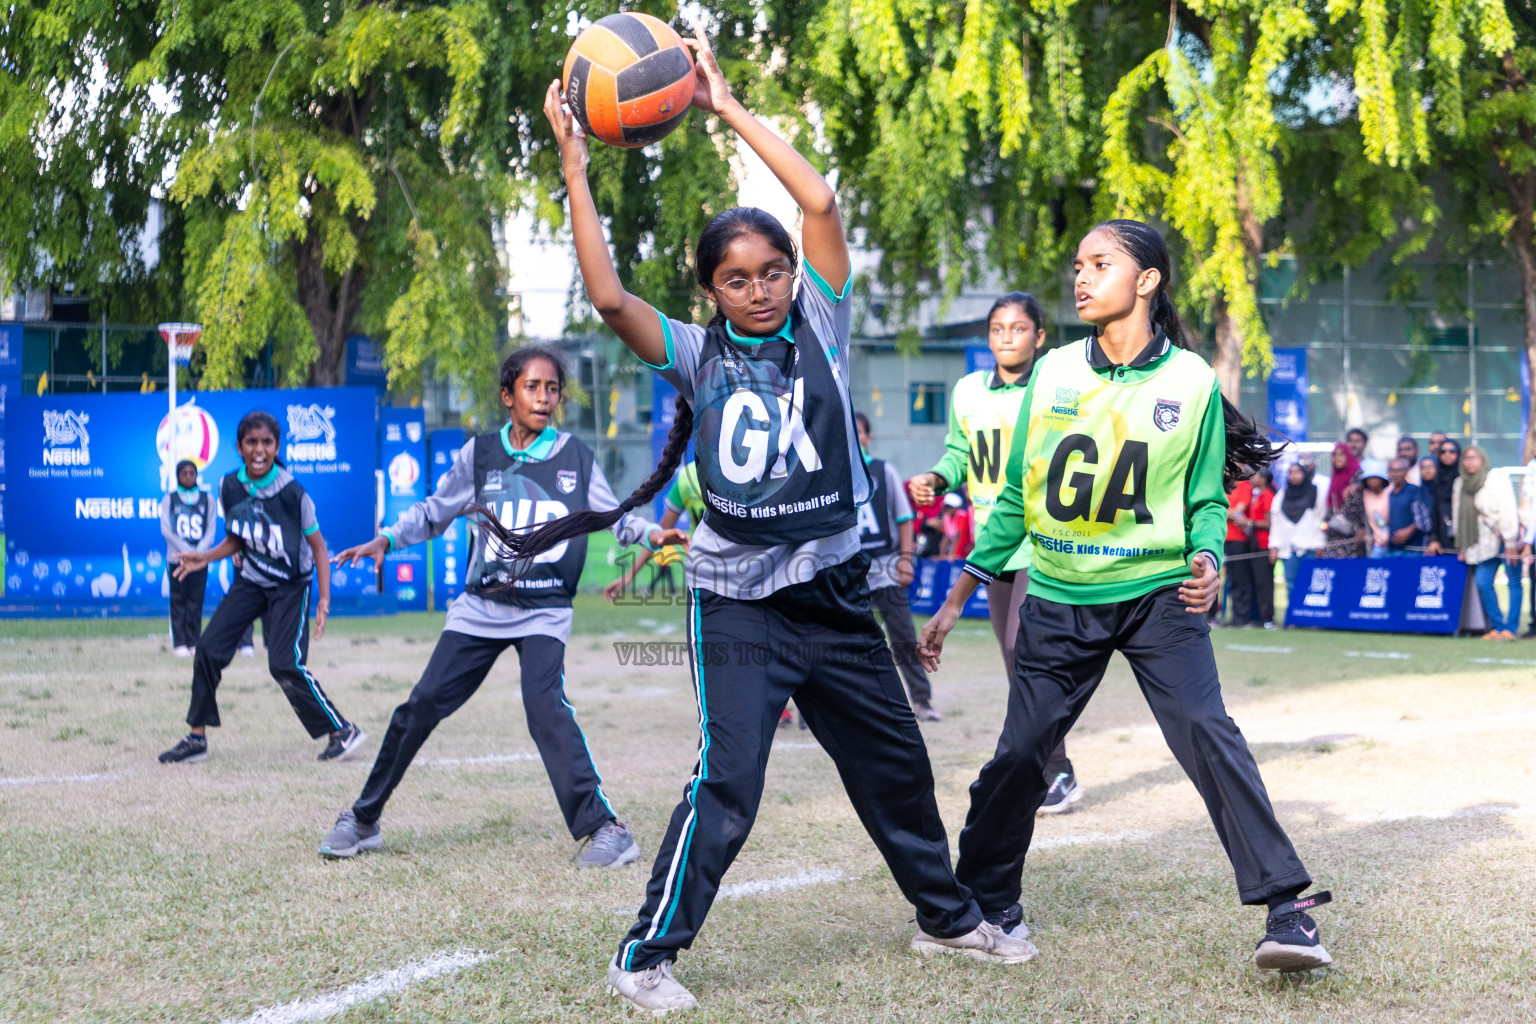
652	989
190	749
350	837
1011	921
984	942
1063	796
1290	940
611	846
343	742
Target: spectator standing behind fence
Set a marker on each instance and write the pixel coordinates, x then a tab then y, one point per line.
1345	532
958	538
1488	535
1408	450
1358	441
1240	541
1296	522
1378	505
1409	517
1449	454
1260	513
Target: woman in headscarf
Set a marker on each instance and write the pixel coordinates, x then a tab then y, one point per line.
1345	523
1449	456
1296	527
1487	536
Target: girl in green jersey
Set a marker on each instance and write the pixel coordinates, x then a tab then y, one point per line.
1128	450
982	414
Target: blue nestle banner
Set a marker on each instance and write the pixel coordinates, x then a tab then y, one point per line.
931	584
365	363
1391	595
10	389
1288	393
450	551
86	473
979	357
403	453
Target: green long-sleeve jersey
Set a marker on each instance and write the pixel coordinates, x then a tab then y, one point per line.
1204	500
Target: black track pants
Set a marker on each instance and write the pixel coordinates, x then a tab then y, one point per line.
818	642
1059	661
187	608
458	666
284	611
896	613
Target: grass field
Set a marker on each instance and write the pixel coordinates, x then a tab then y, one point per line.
1405	769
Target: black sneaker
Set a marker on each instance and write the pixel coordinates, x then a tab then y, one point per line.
343	742
1011	921
1290	937
1064	794
191	749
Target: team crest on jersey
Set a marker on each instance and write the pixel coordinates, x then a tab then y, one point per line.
493	480
1165	414
565	479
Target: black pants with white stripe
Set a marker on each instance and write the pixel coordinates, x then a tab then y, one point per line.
284	611
1058	663
819	643
458	666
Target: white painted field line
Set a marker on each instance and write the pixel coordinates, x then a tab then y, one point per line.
1383	655
1088	839
773	886
1258	649
375	987
45	780
445	762
1501	661
1488	811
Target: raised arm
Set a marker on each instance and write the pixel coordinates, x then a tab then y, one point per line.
821	234
631	318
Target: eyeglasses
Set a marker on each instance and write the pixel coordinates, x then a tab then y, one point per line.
739	291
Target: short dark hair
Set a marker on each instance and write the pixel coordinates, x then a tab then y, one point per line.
1352	431
863	422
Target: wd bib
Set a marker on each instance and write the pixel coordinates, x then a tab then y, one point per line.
1106	465
526	493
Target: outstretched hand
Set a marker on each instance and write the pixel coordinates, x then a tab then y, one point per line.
661	538
569	135
930	645
189	562
375	549
711	92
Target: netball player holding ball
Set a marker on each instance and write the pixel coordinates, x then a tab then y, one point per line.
1127	445
764	392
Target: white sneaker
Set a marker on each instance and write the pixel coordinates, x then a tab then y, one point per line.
183	652
985	942
247	651
652	989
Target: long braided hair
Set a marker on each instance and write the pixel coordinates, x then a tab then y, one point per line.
1248	445
712	244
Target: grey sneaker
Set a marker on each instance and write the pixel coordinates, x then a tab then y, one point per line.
610	846
351	837
190	749
652	989
984	942
925	712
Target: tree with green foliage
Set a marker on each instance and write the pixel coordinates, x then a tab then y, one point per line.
328	168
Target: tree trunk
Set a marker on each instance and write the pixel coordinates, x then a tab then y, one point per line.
1228	362
330	308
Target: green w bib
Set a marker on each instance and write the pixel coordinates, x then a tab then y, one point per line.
1106	465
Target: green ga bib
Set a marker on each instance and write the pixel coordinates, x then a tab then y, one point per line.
1106	466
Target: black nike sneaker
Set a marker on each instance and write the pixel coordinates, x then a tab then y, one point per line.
1290	941
1011	921
191	749
343	742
